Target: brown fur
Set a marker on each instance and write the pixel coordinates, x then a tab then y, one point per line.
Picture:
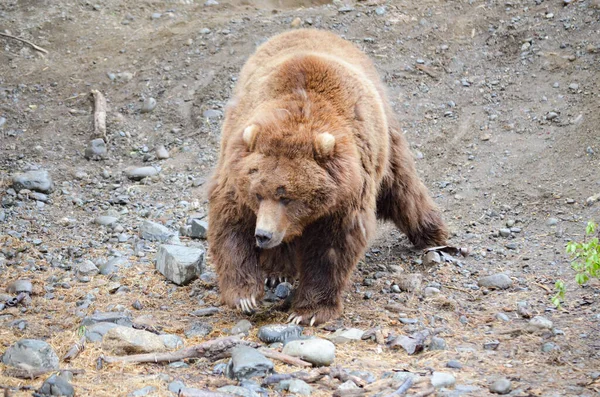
311	154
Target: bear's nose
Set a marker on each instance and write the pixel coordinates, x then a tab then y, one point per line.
262	237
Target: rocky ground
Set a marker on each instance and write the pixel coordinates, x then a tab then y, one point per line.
102	244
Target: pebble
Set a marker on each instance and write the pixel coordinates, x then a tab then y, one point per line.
199	229
176	386
96	332
548	347
242	327
348	385
153	231
212	114
198	329
171	342
148	105
552	222
161	152
31	353
342	335
296	22
279	333
504	232
87	268
19	286
410	282
106	220
119	318
380	10
96	150
502	317
540	322
38	181
432	258
211	3
179	264
319	352
144	391
495	281
501	386
573	86
122	340
442	379
296	386
438	343
491	345
283	290
247	362
430	291
454	364
139	173
156	15
205	312
57	385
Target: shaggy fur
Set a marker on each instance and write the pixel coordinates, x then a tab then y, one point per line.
311	155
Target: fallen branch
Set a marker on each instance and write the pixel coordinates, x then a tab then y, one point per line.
75	350
428	71
210	350
403	388
275	355
30	374
35	47
99	115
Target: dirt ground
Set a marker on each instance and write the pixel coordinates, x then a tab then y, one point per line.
499	99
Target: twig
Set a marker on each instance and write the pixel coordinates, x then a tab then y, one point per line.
99	115
35	47
428	71
35	373
542	286
75	350
208	350
275	355
403	388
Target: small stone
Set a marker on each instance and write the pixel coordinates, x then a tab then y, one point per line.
548	347
410	282
139	173
156	15
120	318
432	258
454	364
279	333
573	86
87	268
205	312
198	330
20	286
242	327
380	10
96	332
442	379
428	292
491	345
96	150
501	386
32	354
171	342
106	220
144	391
176	386
122	340
504	232
56	385
137	305
296	386
342	335
552	222
153	231
438	343
495	281
540	322
211	3
161	152
348	385
345	9
296	22
148	105
319	352
38	181
283	290
502	317
212	114
179	264
247	362
199	229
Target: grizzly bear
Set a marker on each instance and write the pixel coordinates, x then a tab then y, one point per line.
311	155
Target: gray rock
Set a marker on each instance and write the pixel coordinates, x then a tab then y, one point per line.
30	353
37	196
161	152
87	268
148	105
122	340
552	222
119	318
38	181
57	386
504	232
432	258
279	333
171	342
179	264
139	173
296	386
113	265
153	231
96	150
430	291
540	322
438	343
573	86
501	386
95	332
198	329
247	362
342	335
442	379
502	317
143	391
230	389
20	286
176	386
454	364
495	281
548	347
199	229
106	220
319	352
283	290
380	10
242	327
211	114
410	282
348	385
205	312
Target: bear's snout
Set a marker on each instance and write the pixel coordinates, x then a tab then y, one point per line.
263	238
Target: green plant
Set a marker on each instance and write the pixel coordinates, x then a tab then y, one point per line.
585	260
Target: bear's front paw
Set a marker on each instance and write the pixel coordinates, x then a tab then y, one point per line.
314	317
245	303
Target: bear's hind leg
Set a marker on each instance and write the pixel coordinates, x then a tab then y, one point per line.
404	199
329	250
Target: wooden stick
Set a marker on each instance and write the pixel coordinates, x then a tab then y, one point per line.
208	350
75	350
35	47
99	115
22	373
275	355
403	388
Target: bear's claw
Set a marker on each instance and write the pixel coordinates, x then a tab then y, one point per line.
247	305
272	282
295	318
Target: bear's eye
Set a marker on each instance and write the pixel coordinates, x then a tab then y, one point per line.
259	197
285	201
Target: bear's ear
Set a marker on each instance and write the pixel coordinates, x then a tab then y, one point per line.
324	144
249	137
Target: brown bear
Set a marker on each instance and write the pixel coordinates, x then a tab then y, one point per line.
311	155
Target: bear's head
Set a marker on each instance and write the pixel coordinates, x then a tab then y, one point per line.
290	177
